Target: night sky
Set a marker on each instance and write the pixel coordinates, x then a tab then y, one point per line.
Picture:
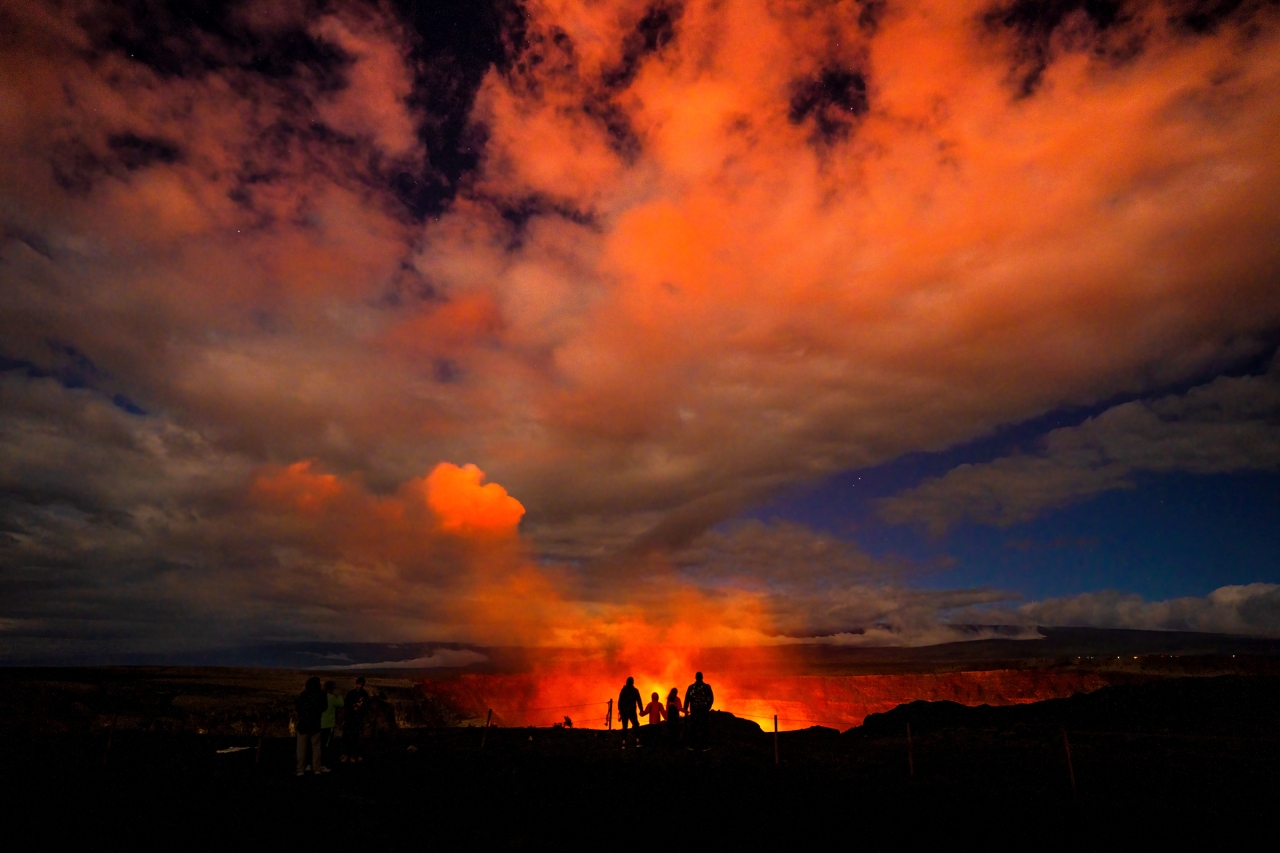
556	323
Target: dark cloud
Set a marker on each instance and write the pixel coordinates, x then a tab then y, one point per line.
1037	19
1230	424
451	46
832	100
79	163
1114	31
521	212
193	40
1043	28
137	152
652	33
871	13
1206	16
455	43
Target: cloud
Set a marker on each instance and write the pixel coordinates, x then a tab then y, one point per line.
438	658
644	266
720	304
1229	424
812	585
1251	610
373	103
463	504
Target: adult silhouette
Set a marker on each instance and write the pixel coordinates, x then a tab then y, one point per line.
329	719
310	706
698	700
629	705
355	711
673	714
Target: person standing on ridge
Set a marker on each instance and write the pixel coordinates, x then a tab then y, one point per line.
329	719
353	714
629	703
673	714
310	706
654	711
698	700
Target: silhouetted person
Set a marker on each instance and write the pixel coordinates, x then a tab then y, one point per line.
329	719
311	705
654	711
673	714
698	700
354	712
629	703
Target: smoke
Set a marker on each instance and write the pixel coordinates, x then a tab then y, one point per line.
645	266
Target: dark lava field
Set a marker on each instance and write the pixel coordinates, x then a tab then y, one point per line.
1172	762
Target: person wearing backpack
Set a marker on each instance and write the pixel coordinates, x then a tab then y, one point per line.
698	700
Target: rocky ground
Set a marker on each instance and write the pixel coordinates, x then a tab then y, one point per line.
1178	760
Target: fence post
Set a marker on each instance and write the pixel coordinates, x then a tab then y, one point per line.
608	716
262	733
1071	771
911	759
484	737
775	738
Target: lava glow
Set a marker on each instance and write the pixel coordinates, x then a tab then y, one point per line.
746	686
580	649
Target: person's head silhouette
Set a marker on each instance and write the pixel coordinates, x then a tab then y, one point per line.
697	676
655	697
630	681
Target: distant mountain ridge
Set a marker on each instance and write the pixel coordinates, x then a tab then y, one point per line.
1055	643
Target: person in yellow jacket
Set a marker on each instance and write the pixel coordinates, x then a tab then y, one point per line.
329	719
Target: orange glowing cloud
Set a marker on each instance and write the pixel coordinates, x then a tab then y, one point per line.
452	530
450	500
464	505
690	266
298	486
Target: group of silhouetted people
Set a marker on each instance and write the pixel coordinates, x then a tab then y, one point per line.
317	708
318	705
696	710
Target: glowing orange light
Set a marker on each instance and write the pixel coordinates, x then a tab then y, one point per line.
462	503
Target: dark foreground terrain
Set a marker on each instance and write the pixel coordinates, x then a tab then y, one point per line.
1176	761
